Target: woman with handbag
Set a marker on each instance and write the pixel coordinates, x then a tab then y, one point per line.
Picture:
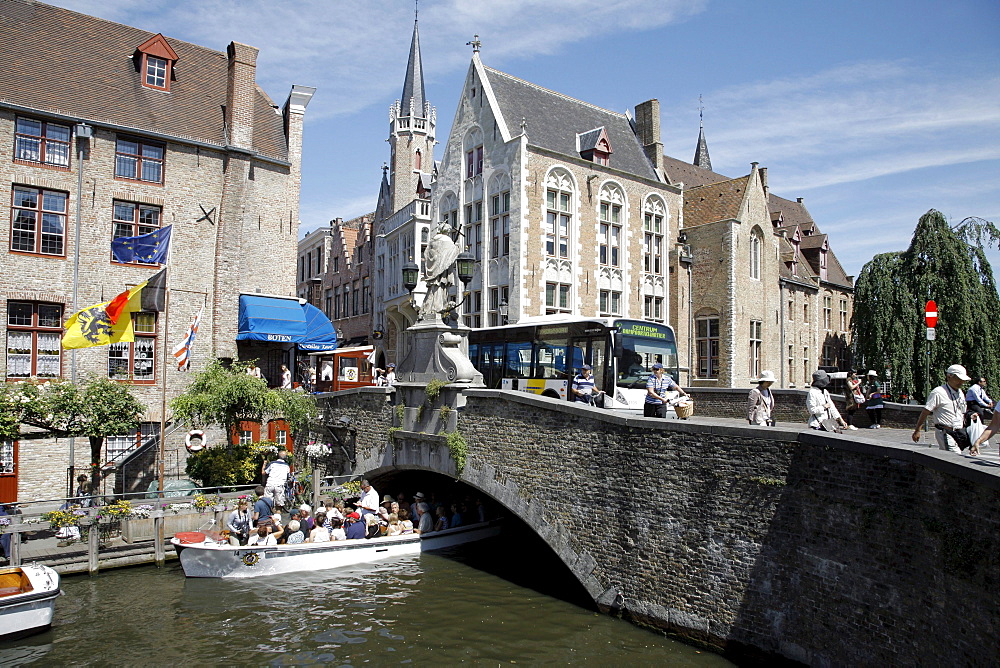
760	403
823	415
853	398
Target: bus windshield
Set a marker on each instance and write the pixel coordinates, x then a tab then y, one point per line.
639	345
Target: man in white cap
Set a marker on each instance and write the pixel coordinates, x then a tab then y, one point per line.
947	404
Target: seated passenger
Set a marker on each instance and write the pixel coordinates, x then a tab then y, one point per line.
372	526
355	527
262	537
319	534
404	521
337	529
295	535
456	517
425	523
442	519
395	526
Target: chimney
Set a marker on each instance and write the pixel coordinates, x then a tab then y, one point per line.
763	180
799	200
241	91
647	130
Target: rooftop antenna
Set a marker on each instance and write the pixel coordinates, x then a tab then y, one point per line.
416	9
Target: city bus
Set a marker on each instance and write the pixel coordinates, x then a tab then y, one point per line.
542	354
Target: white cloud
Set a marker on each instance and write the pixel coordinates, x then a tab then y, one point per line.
353	50
854	122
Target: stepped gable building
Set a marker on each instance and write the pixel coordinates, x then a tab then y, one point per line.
335	266
765	291
562	203
133	131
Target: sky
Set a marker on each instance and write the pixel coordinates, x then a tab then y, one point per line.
873	112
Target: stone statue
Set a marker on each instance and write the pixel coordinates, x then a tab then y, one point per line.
439	273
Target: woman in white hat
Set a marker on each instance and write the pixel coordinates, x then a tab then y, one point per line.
760	403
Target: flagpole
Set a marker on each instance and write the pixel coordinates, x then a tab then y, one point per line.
161	455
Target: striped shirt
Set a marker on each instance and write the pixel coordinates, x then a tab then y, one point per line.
664	383
585	385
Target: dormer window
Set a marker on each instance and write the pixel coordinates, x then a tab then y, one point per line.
594	146
155	61
156	72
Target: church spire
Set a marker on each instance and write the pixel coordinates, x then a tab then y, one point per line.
413	85
701	158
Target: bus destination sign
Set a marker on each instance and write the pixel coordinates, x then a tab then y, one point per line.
645	330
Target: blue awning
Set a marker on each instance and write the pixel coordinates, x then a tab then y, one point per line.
320	335
271	319
278	320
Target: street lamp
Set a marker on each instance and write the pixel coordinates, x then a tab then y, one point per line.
464	263
411	272
503	308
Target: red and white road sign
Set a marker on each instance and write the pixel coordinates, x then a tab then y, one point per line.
930	314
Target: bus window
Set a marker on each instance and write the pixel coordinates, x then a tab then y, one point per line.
519	360
474	354
551	361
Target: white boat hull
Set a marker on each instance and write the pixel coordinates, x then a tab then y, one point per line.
209	559
32	611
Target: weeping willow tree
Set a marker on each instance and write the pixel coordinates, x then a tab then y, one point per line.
943	263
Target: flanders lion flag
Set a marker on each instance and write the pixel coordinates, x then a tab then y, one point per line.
111	322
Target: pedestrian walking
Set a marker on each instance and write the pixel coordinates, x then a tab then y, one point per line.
947	404
657	387
854	398
874	405
760	403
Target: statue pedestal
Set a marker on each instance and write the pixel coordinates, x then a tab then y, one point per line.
437	351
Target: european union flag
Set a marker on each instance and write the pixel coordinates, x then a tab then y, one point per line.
149	248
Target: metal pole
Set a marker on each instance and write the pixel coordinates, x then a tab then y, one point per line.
163	387
76	291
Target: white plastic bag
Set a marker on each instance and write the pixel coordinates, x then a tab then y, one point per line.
975	430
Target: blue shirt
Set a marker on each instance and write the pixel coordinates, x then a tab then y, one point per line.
664	384
264	508
977	395
356	530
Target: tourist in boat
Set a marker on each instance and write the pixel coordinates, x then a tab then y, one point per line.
239	523
441	523
418	498
295	534
337	529
262	537
404	521
372	525
395	527
355	527
336	511
368	503
305	519
319	534
425	523
263	508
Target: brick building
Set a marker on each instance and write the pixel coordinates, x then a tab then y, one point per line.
335	276
133	131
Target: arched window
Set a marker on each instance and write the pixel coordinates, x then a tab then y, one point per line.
755	248
609	233
473	153
653	229
418	160
559	207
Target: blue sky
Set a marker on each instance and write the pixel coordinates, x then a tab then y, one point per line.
873	112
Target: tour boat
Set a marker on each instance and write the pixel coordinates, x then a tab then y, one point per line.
202	556
27	599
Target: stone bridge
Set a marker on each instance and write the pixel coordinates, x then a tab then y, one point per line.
759	542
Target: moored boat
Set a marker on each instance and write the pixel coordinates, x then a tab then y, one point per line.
203	557
27	599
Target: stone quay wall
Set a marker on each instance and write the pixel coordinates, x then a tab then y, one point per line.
819	548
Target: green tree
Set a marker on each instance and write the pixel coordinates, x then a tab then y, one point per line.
98	408
943	263
229	395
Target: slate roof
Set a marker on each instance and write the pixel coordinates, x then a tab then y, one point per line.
690	175
413	84
59	61
554	120
714	201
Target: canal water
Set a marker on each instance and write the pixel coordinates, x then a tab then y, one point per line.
481	605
